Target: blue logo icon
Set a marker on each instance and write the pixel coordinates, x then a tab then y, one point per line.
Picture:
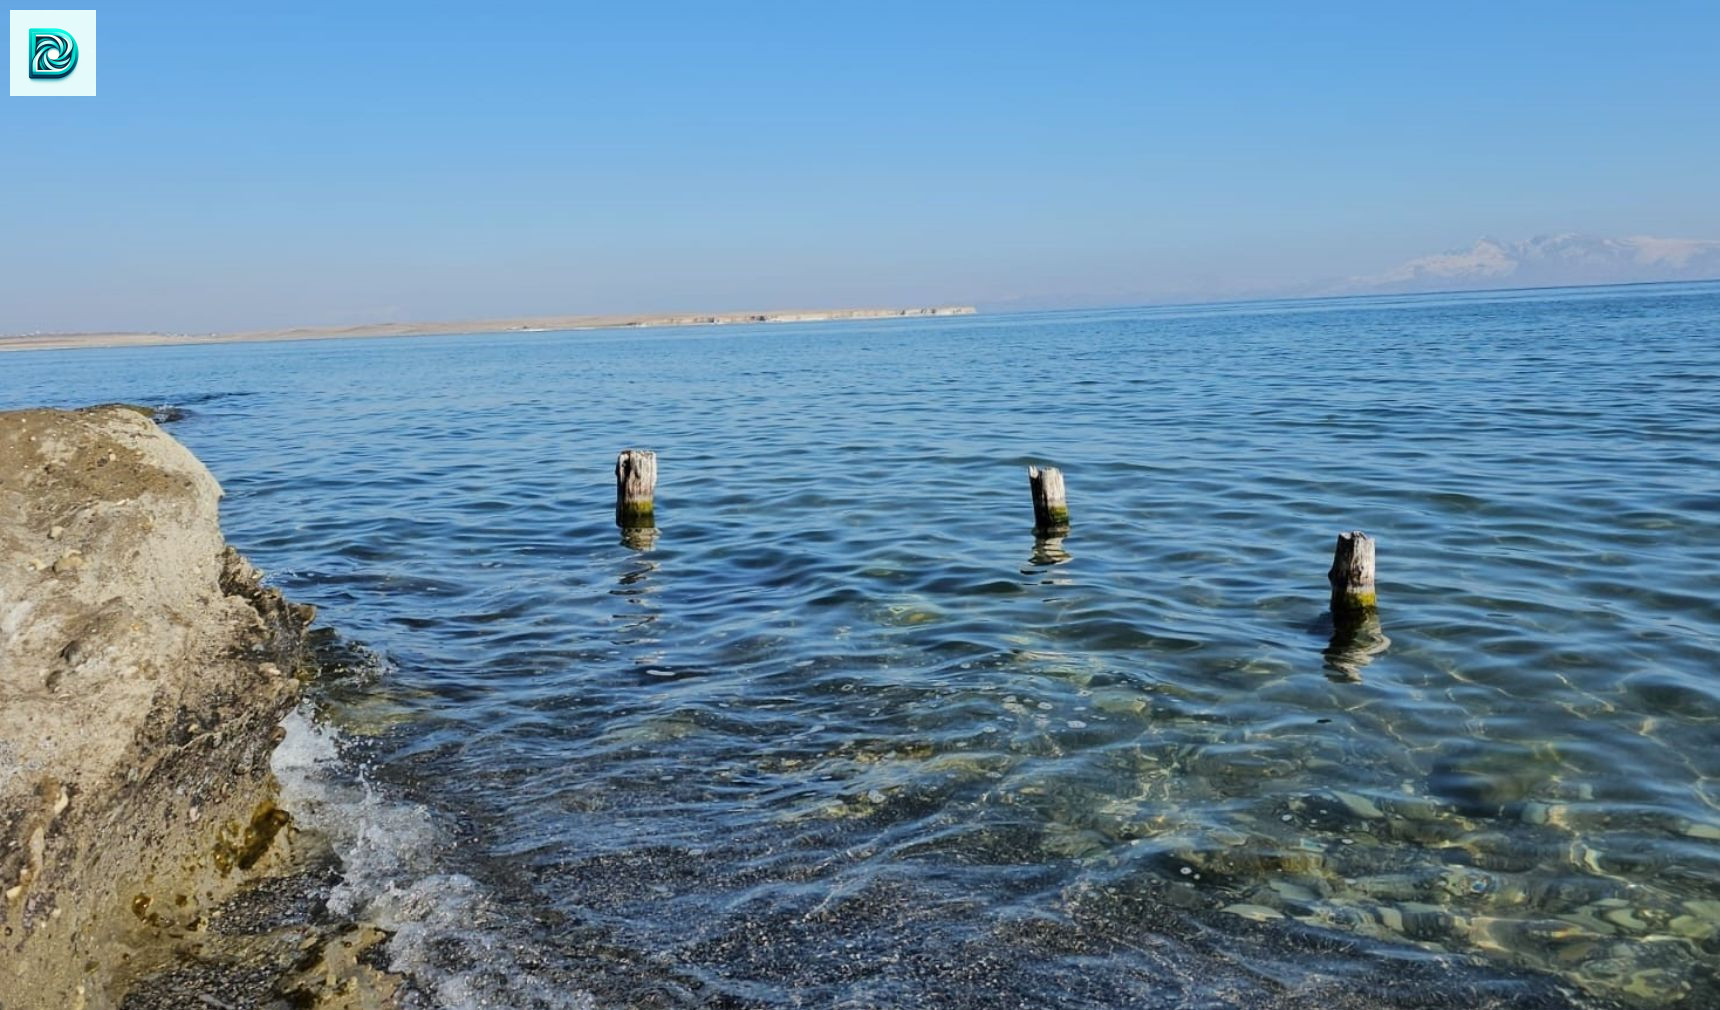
53	53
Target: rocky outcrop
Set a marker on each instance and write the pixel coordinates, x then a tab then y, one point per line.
144	670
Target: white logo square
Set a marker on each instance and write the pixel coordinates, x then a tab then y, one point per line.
52	54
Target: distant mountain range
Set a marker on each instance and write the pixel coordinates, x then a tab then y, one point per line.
1550	261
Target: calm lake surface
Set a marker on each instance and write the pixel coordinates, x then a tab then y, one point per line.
848	736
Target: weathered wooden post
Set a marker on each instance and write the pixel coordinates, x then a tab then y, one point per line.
635	489
1357	638
1352	575
1050	509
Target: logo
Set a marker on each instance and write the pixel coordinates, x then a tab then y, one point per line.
53	53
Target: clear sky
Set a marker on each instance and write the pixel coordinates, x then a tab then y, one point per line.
251	165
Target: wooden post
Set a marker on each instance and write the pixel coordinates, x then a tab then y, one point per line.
635	489
1050	509
1352	574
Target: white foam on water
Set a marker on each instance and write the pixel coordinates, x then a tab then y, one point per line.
444	928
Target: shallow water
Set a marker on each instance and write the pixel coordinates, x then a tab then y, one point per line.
847	735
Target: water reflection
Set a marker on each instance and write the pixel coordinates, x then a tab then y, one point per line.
638	632
1356	641
639	538
1048	550
634	586
633	578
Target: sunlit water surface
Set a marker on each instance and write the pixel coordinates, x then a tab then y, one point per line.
847	735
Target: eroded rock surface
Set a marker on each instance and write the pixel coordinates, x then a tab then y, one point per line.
144	671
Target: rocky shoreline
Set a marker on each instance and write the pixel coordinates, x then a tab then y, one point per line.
144	672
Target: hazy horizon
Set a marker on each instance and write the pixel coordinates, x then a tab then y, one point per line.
689	159
1242	299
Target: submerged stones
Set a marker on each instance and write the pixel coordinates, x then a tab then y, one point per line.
1256	913
1451	873
1358	805
1667	694
1482	781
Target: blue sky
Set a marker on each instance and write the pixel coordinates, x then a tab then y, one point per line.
252	166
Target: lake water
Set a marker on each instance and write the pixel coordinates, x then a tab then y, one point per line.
848	735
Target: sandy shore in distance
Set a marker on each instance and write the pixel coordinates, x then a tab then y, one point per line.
62	341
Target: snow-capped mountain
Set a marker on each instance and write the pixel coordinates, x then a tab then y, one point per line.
1553	260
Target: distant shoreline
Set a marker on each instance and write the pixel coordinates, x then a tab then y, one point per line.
534	324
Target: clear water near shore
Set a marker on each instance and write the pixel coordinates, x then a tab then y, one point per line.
848	736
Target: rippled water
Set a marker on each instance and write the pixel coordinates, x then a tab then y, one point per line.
847	735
